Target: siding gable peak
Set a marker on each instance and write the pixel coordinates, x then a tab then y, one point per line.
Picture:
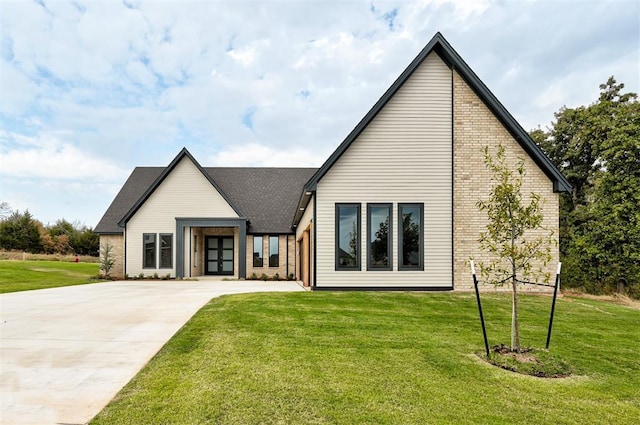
452	59
184	153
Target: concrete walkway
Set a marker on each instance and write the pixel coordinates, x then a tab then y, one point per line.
65	352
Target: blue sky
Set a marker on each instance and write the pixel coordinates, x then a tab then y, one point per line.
89	90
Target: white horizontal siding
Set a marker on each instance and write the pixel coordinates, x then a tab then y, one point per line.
185	192
403	156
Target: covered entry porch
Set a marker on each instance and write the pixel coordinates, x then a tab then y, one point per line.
211	247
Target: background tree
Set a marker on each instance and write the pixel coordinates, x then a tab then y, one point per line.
19	231
5	209
597	147
517	254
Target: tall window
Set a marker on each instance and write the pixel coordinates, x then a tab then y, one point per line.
257	251
379	236
166	250
274	252
411	236
347	236
149	250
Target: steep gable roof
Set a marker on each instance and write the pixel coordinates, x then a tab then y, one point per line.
184	153
440	46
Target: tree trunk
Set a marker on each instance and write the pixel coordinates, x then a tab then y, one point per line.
515	326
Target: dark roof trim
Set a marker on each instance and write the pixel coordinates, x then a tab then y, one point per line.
305	198
182	154
439	45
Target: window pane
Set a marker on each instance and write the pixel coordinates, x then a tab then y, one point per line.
379	238
348	238
411	236
257	251
166	253
227	266
274	252
149	251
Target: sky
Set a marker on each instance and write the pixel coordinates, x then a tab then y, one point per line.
90	90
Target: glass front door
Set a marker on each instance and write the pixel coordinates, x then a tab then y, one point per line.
219	255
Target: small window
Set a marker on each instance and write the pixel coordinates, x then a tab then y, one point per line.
257	251
274	252
410	236
347	237
379	236
166	250
149	250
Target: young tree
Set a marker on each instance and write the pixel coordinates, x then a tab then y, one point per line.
519	244
106	258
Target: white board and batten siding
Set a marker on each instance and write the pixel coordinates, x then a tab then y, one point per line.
403	156
185	192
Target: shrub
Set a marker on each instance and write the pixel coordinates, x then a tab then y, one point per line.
155	275
264	277
253	276
290	276
141	275
276	276
106	259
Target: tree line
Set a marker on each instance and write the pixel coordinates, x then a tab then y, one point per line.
20	231
597	147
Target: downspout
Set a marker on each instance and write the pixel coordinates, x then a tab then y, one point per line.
287	250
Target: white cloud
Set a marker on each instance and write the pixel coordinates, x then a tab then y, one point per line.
48	157
256	155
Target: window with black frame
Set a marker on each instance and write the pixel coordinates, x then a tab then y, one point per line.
347	237
379	236
410	236
257	251
149	250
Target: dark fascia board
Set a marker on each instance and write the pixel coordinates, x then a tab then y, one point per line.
302	206
183	153
441	46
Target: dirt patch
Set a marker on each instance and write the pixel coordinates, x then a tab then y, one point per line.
528	361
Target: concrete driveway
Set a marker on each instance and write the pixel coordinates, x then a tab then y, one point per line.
65	352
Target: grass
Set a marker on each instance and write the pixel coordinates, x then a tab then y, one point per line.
383	358
27	275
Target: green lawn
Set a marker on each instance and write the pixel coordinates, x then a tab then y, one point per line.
383	358
26	275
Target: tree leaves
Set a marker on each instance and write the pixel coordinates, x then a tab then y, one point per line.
597	147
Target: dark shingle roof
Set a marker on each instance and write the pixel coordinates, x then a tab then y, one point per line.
267	197
138	182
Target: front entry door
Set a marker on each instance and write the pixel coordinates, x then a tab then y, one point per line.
219	255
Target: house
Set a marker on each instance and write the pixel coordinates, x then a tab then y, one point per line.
394	207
